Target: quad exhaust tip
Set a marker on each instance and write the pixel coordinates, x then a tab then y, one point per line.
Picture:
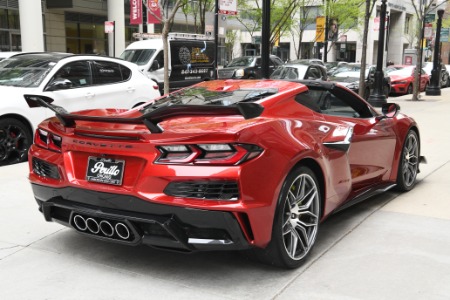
101	227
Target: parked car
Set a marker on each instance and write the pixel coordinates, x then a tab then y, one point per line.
445	80
221	165
402	79
73	81
298	71
7	54
350	79
332	66
247	67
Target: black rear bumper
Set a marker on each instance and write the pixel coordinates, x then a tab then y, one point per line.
156	225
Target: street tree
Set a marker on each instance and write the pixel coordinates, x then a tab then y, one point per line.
281	16
306	16
166	18
198	9
422	9
346	13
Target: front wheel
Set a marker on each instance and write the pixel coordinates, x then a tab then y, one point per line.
409	89
408	167
296	221
15	140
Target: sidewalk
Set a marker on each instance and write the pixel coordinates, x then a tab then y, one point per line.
394	246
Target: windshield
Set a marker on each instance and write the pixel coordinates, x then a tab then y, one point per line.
402	71
203	96
26	70
241	62
138	56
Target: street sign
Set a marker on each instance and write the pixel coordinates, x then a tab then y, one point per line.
228	7
428	31
429	18
109	26
444	35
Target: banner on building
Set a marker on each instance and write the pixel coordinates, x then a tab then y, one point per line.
228	7
333	30
320	29
153	12
135	12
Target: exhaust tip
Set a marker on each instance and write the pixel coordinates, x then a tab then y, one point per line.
122	231
80	223
92	225
106	228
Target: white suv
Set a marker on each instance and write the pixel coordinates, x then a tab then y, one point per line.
75	82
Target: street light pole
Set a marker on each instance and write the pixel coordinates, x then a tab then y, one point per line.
378	98
216	36
265	39
434	88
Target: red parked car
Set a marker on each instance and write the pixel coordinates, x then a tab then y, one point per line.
227	164
402	79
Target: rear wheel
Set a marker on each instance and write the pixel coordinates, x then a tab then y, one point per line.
15	140
409	163
296	221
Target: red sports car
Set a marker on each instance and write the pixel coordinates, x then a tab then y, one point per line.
402	79
227	164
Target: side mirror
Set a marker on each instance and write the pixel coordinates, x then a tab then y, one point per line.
154	66
59	84
390	110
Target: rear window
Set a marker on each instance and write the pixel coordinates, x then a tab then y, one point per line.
202	96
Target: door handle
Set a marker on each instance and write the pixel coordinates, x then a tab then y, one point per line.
130	89
90	95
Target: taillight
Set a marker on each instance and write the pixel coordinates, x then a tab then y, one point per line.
207	154
47	140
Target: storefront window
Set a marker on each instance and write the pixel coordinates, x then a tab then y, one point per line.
13	19
85	34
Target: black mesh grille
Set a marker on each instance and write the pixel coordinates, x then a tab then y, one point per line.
45	169
213	190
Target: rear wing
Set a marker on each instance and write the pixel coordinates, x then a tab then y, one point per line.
150	119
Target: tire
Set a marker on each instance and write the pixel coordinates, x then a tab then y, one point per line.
15	140
408	166
295	226
386	90
409	90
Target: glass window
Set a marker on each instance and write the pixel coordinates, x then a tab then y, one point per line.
77	72
138	56
160	59
126	73
106	72
3	18
13	19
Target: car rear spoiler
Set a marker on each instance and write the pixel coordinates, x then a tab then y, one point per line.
151	119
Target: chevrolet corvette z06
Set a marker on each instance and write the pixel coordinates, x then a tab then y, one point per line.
226	164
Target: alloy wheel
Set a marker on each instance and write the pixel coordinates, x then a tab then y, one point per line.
300	217
410	163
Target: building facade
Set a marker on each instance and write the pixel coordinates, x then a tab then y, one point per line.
78	26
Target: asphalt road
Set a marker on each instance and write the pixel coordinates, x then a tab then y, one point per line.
394	246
